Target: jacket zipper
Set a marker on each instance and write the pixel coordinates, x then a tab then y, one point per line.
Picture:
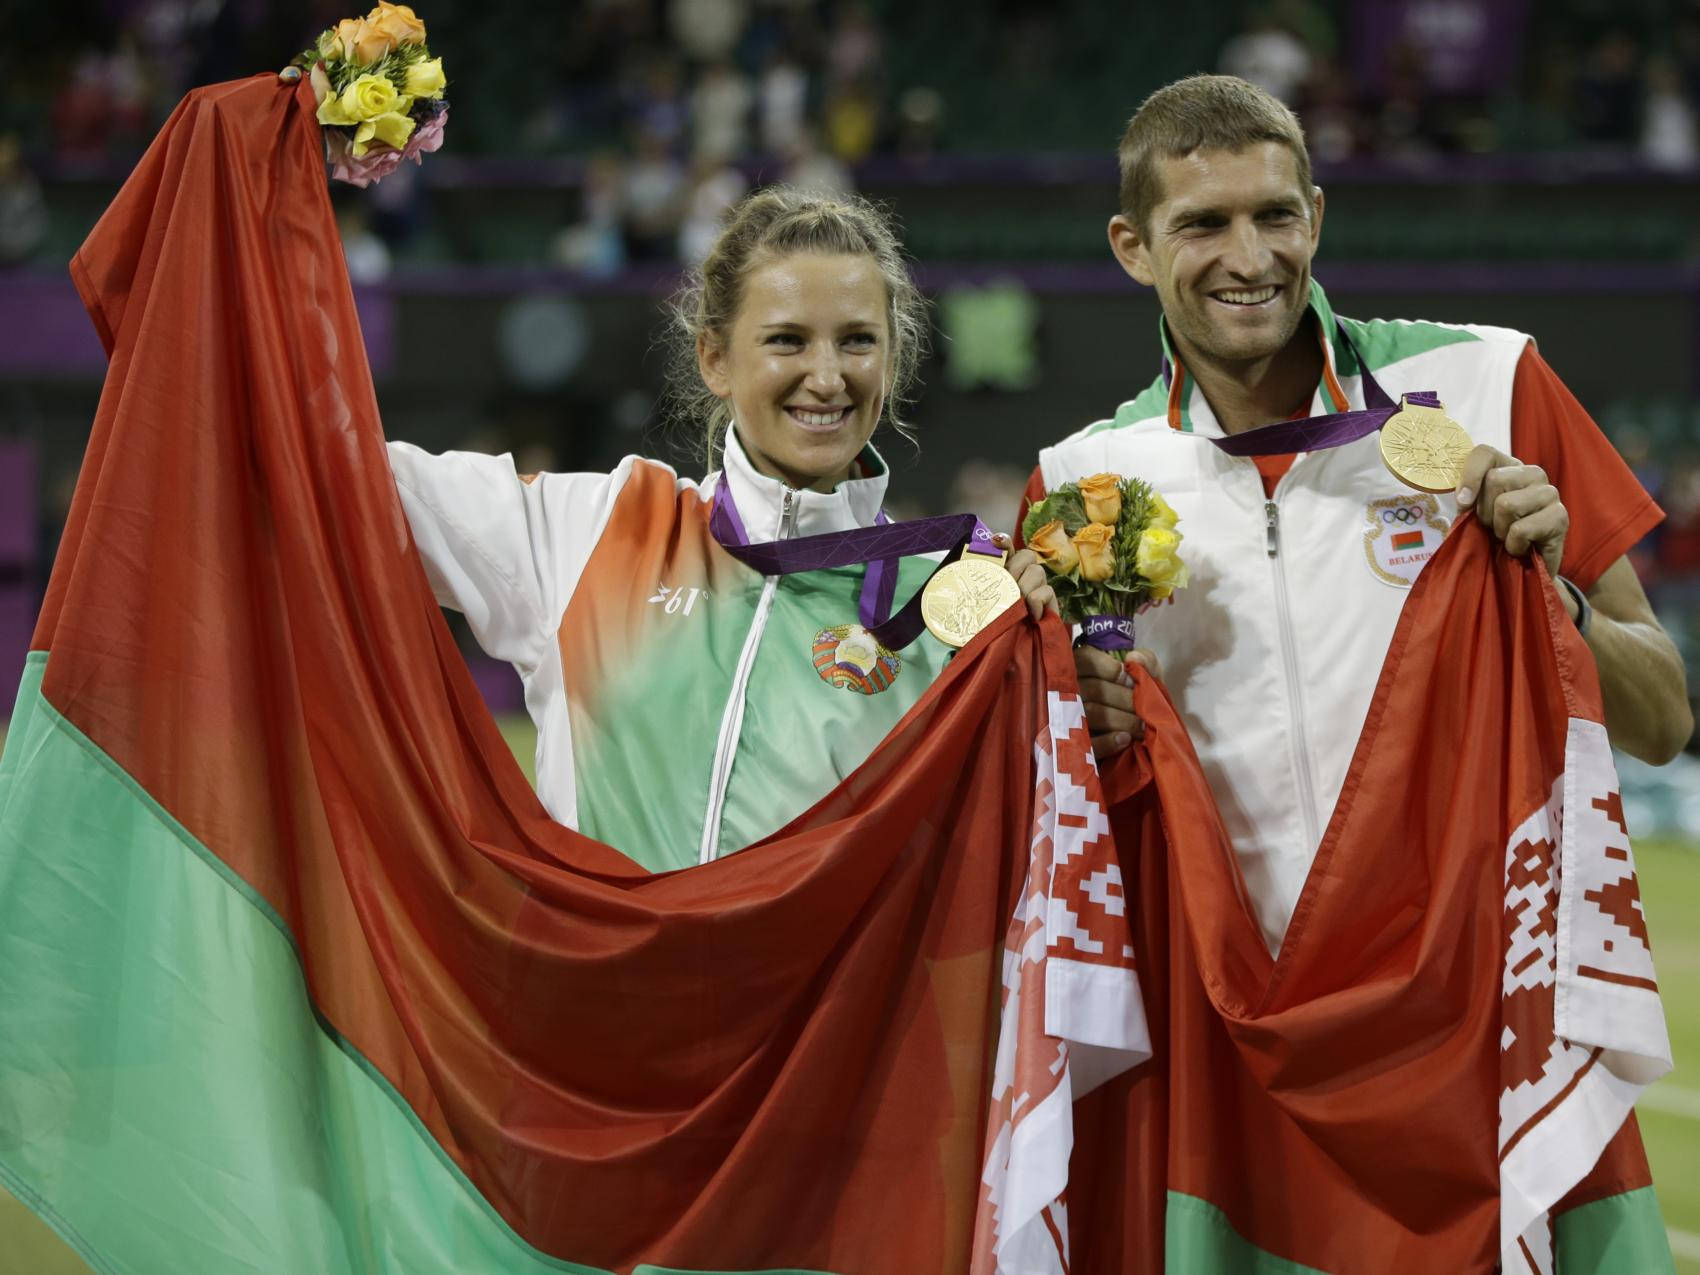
732	720
1289	660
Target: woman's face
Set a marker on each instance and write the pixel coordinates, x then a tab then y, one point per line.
805	365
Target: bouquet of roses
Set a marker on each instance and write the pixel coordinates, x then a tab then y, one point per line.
1110	549
380	92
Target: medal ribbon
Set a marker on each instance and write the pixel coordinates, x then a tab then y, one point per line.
1318	433
880	546
1312	434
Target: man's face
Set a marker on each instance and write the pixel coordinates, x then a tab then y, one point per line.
1228	249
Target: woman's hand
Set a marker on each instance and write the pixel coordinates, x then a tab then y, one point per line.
1029	575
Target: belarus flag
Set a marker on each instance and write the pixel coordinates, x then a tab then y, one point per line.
1437	1072
295	974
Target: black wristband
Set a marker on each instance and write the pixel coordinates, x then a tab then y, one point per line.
1584	612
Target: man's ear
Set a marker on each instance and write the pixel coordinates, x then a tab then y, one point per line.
711	362
1315	218
1128	243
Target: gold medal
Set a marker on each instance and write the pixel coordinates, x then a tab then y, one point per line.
965	596
1425	448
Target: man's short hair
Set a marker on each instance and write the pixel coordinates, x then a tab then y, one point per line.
1201	112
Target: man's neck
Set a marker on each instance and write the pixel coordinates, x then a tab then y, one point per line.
1246	395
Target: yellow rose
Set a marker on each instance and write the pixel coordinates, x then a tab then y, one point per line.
1097	559
1052	545
1103	496
331	112
425	78
1161	514
369	97
392	128
397	22
1157	560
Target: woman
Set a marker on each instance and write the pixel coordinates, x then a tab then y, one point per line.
687	705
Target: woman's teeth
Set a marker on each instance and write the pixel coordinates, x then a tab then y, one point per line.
1257	296
818	419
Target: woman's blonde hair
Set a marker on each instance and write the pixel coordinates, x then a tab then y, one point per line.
769	225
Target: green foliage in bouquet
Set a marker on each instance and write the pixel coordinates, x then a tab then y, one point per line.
1106	567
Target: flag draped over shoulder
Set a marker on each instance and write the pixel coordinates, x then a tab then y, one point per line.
295	973
1437	1071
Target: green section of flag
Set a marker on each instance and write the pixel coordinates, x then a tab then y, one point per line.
1619	1235
168	1101
1198	1239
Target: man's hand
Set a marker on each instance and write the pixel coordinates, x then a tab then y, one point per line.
1106	688
1029	575
1518	503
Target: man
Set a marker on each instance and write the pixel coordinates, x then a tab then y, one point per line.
1300	565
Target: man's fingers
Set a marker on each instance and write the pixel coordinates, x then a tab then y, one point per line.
1501	481
1544	529
1512	507
1095	690
1101	719
1041	600
1481	459
1147	659
1089	661
1104	747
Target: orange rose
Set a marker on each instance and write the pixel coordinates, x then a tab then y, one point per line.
355	41
398	23
1097	559
1054	548
1103	496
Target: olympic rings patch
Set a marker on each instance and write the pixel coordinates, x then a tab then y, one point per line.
1401	534
1410	515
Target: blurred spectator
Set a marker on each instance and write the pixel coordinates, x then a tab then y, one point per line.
1269	55
851	120
920	122
102	102
1608	92
782	99
397	207
1405	125
1669	139
368	259
854	48
989	489
653	200
23	211
1332	120
811	169
596	244
720	110
658	108
706	30
714	187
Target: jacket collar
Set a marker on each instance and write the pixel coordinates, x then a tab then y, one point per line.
1189	411
854	503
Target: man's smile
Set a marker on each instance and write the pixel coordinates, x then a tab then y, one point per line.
1245	298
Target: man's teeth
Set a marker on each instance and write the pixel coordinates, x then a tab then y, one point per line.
1255	297
819	418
